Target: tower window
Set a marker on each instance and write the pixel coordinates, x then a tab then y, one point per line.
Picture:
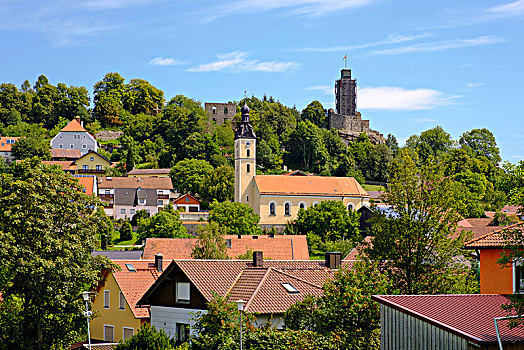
287	209
248	168
225	110
272	209
214	110
248	153
350	207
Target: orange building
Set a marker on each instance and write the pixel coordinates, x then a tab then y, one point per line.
494	278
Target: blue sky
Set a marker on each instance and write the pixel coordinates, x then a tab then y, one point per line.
418	64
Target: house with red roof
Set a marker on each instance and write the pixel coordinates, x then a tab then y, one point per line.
276	247
5	148
74	136
494	278
458	322
186	203
117	315
269	288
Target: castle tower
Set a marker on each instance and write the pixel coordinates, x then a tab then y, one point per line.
245	148
346	93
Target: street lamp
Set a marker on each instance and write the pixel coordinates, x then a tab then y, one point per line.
87	314
240	307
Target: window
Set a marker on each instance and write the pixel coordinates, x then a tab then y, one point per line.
287	209
131	211
518	271
272	209
85	167
315	204
248	167
122	211
108	191
247	198
121	301
84	146
99	167
60	146
182	292
130	267
159	202
109	333
248	153
92	159
350	207
187	199
71	146
106	299
228	243
141	201
289	287
127	333
225	110
182	332
214	110
302	205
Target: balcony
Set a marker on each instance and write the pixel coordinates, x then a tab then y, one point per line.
90	171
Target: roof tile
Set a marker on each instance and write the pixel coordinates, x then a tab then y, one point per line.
309	185
135	182
493	239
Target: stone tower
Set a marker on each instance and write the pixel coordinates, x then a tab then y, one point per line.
346	93
245	148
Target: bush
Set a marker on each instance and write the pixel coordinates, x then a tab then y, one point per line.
148	338
126	231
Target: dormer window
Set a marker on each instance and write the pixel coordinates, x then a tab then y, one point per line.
289	287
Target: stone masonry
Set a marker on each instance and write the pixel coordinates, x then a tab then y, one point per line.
220	112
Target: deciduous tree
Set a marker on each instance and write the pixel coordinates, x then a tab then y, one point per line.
235	218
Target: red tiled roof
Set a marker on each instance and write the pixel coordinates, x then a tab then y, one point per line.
135	182
309	185
6	147
65	164
88	182
511	209
467	315
182	200
281	247
65	153
354	254
492	239
164	171
74	125
134	284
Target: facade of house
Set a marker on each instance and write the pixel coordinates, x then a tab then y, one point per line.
124	196
276	247
186	203
5	148
277	199
269	288
163	172
453	321
74	136
494	278
92	163
117	316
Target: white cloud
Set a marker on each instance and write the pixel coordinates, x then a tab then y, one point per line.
326	89
441	45
515	8
293	7
237	62
425	120
111	4
165	61
390	39
397	98
474	85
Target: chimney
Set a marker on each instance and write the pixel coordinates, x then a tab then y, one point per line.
258	259
158	261
333	260
79	121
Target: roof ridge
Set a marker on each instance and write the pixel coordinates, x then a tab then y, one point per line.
494	232
234	282
269	269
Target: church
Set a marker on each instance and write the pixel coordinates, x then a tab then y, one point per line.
277	199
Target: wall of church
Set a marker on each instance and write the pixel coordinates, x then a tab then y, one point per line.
280	216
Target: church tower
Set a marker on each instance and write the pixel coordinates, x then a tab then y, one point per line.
245	148
346	93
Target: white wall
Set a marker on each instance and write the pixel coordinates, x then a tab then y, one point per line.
166	318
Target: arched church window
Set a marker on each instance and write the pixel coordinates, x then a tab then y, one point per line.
302	205
248	153
287	209
272	208
350	207
248	167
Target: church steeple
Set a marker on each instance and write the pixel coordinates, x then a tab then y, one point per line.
245	130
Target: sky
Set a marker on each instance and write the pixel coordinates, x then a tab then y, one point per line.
418	64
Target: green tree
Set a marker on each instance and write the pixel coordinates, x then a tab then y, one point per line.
53	229
481	143
148	338
416	240
305	148
108	96
431	143
126	231
142	97
188	175
315	113
235	218
219	184
166	224
140	214
211	243
328	221
28	147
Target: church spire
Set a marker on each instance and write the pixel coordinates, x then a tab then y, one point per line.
245	130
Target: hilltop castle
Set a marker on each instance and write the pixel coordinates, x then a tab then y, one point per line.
347	120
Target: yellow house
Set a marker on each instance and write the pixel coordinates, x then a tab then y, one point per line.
116	315
277	199
92	163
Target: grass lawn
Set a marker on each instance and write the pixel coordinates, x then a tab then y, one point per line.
373	188
116	240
